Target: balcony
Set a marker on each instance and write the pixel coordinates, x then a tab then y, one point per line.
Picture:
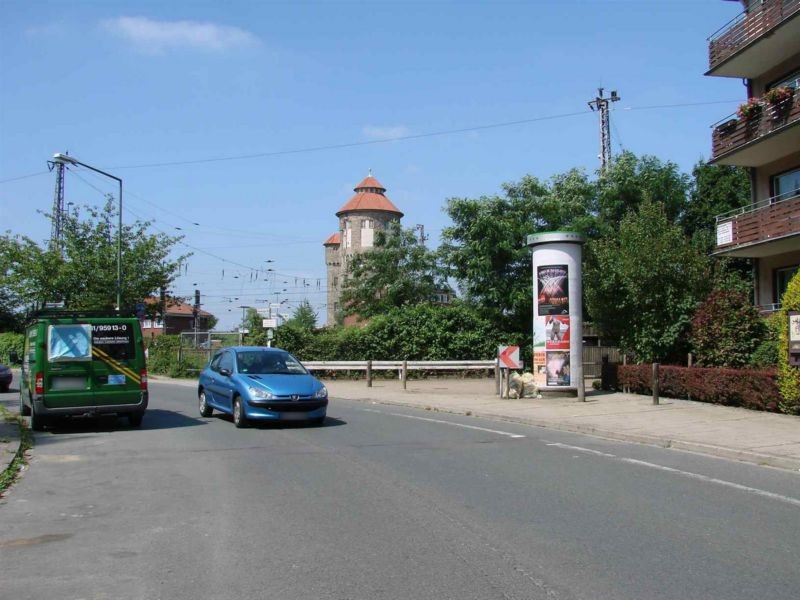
769	135
756	40
762	229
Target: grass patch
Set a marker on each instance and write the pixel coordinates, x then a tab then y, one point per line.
9	476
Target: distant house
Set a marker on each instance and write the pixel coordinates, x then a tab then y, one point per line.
178	317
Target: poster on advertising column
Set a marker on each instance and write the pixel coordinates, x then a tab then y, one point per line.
552	289
557	332
558	368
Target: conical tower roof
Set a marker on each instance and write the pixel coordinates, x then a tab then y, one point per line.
370	195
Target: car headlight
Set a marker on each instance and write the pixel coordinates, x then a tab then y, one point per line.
261	393
321	392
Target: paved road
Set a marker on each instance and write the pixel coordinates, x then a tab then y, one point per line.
386	502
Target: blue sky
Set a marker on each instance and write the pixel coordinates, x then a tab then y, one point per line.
136	87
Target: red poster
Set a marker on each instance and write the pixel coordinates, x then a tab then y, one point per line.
557	332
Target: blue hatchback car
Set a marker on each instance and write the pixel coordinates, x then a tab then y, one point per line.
261	384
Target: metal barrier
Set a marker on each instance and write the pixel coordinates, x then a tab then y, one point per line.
404	366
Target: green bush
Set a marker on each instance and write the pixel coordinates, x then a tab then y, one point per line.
9	342
162	354
726	329
788	376
422	332
766	354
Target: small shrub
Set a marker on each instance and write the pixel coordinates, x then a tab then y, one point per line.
788	376
726	329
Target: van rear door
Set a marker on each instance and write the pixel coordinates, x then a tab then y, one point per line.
117	362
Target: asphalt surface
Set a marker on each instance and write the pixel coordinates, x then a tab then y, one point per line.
386	502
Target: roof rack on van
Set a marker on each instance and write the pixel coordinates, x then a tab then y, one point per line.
64	313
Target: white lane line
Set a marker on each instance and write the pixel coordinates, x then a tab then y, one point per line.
511	435
698	476
581	449
730	484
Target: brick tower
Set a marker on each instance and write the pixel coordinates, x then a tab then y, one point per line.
368	211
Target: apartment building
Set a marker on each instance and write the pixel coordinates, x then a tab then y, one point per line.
761	46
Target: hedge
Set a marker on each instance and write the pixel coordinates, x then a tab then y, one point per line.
9	342
756	389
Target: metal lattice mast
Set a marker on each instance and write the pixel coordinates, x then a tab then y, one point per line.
57	230
600	104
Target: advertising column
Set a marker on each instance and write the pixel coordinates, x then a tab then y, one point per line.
557	312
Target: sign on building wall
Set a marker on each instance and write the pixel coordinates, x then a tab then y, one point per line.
724	233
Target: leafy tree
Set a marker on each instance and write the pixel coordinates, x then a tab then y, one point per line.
398	271
630	180
726	329
714	190
304	316
642	285
85	276
485	250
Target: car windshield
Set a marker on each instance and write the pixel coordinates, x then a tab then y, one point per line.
268	363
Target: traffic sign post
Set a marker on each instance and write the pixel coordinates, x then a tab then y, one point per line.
507	359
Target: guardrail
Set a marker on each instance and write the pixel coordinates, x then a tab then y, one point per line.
404	366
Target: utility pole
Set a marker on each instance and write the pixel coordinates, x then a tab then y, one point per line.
600	104
57	230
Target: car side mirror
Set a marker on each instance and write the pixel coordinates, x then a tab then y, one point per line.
226	372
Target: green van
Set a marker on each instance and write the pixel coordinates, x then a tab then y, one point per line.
83	363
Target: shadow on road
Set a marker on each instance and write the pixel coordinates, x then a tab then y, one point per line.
154	419
329	422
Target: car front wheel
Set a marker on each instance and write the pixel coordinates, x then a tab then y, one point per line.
238	414
205	409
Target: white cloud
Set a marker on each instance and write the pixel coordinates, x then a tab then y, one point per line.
388	132
158	36
46	30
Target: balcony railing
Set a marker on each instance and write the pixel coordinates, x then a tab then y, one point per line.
768	219
747	27
733	132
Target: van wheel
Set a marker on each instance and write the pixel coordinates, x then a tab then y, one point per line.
205	409
37	420
238	413
135	419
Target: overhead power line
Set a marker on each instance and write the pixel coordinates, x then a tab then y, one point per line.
385	140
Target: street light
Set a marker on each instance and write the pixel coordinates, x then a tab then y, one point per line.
66	158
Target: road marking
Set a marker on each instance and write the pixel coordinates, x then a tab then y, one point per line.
511	435
580	449
689	474
730	484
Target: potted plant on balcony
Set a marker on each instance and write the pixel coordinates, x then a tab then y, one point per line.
778	95
779	99
750	110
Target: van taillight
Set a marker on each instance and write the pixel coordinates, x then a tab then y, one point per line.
39	383
143	379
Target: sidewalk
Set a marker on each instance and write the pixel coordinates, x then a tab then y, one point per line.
728	432
9	432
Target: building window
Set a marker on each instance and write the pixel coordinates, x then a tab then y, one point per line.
335	281
782	278
367	233
786	185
